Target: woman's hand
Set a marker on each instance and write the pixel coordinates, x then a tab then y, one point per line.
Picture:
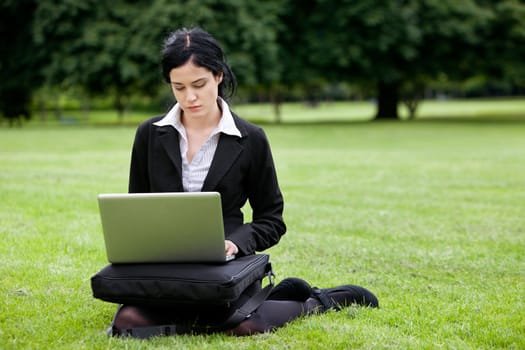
230	247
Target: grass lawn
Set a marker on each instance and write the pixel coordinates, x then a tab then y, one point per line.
429	215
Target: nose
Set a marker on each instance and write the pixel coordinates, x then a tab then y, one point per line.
191	95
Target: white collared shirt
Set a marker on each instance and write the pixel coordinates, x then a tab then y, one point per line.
194	173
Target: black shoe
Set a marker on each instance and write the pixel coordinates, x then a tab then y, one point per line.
338	297
291	288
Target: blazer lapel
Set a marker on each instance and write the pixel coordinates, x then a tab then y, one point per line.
169	138
227	152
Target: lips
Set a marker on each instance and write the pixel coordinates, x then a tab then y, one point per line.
194	108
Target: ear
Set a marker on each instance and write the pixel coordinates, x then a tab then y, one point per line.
219	77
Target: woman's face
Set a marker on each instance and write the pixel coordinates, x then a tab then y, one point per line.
196	90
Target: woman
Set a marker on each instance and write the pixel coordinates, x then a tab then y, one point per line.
200	145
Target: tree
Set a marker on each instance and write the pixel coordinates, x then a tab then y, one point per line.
504	49
93	45
247	30
113	47
300	54
19	60
392	47
398	46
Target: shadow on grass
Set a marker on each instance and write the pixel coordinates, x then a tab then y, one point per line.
434	120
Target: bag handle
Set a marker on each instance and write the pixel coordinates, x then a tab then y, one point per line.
237	317
251	304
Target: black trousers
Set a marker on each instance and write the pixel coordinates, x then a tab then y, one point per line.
194	318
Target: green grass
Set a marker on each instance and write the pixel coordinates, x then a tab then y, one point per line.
426	214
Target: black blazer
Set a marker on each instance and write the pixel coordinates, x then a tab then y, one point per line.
242	169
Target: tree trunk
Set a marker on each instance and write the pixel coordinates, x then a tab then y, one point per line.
277	101
119	106
387	101
85	108
411	105
58	108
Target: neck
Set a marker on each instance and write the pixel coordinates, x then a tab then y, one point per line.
209	121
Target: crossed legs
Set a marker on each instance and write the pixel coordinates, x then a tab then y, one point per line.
292	298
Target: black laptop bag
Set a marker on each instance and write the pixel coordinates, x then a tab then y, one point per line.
171	284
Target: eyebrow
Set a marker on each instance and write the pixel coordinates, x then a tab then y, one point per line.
193	82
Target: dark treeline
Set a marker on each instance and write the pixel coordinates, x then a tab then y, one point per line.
395	51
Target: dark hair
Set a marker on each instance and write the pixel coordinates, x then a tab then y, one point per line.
203	50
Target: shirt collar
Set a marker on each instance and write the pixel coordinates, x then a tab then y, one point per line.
226	124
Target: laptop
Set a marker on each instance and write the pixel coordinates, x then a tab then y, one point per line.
163	227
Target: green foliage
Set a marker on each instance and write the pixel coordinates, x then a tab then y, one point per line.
98	47
250	38
390	49
113	47
506	43
398	45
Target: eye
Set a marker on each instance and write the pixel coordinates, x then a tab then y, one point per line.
199	85
179	88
